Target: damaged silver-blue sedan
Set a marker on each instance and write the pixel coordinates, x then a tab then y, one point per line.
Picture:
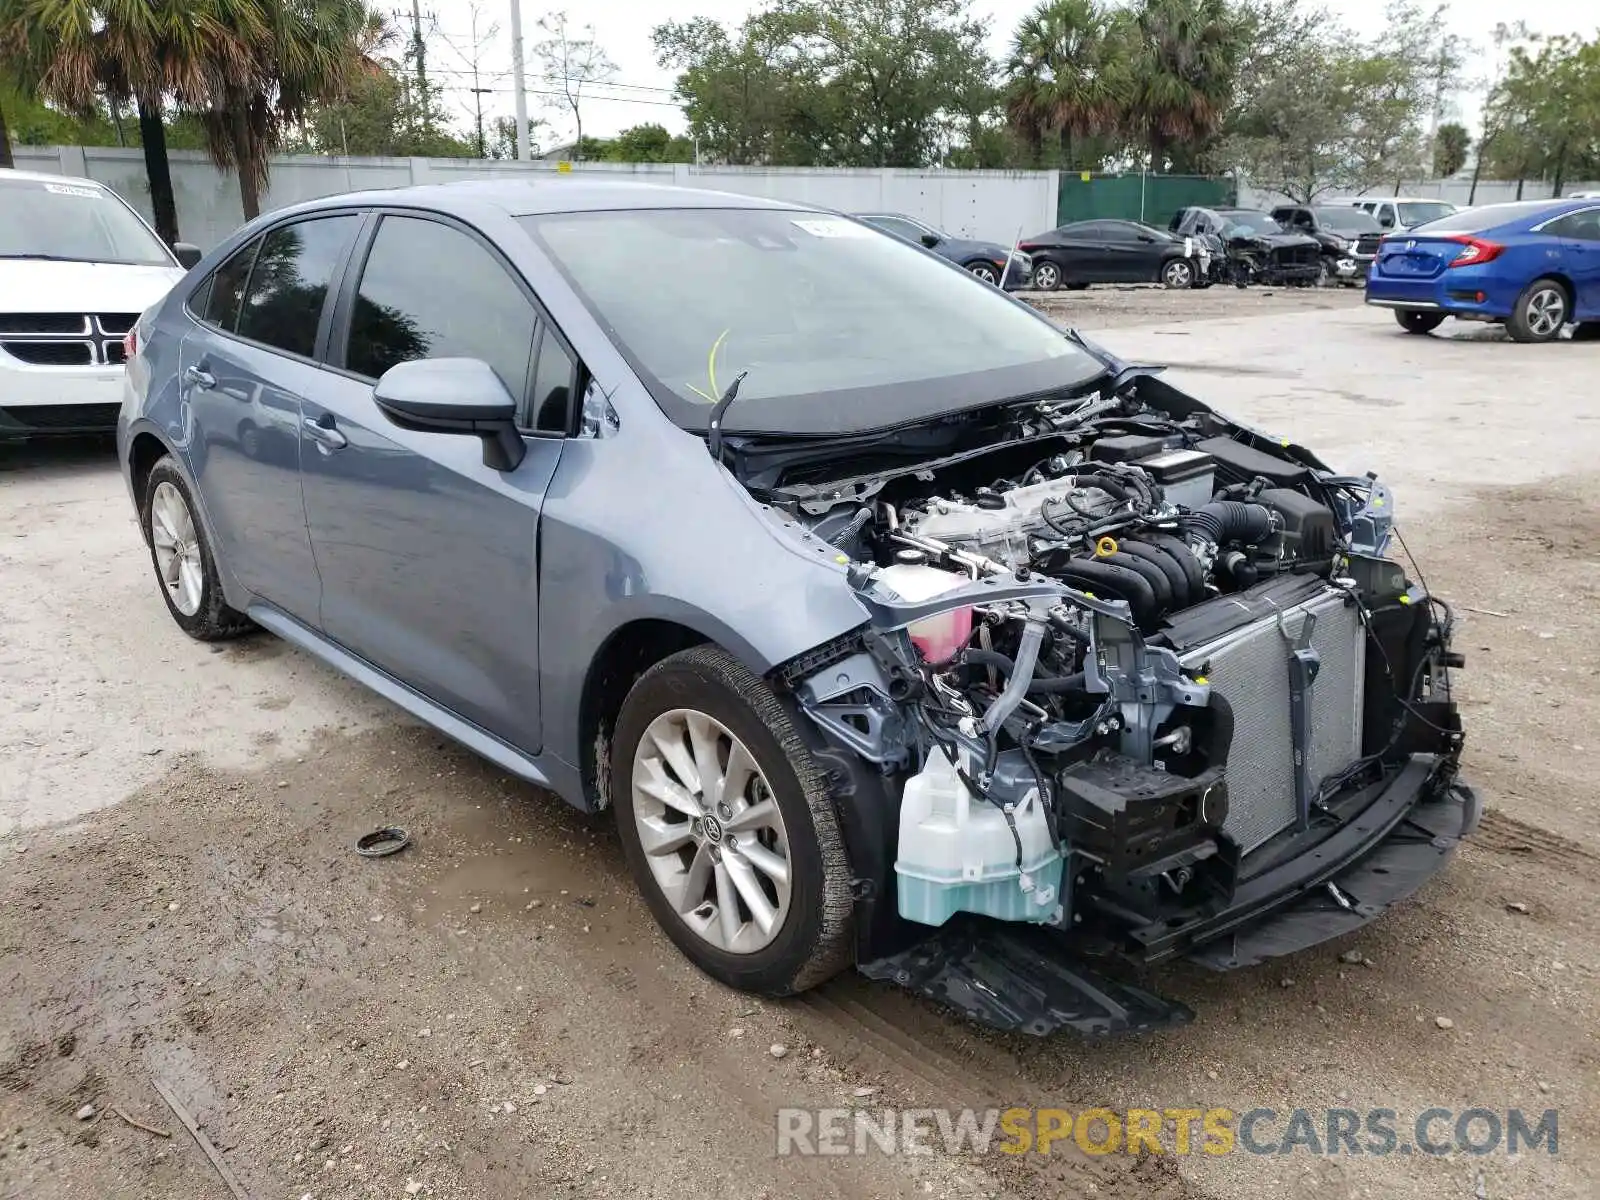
897	627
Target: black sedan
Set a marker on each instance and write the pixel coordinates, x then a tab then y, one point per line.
1107	251
987	260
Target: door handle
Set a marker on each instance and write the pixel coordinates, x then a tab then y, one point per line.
199	377
327	438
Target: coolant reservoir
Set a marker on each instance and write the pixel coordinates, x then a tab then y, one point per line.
957	853
936	638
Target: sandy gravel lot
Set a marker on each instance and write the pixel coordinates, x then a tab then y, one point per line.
491	1013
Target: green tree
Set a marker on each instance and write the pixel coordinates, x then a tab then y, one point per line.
377	114
1451	141
1542	120
1068	76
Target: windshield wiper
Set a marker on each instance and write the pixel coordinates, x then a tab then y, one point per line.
714	427
49	257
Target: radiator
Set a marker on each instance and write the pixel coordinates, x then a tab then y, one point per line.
1249	669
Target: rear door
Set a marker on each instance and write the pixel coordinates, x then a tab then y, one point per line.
244	370
429	558
1580	244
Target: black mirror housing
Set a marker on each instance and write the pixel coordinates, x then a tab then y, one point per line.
454	395
187	254
930	240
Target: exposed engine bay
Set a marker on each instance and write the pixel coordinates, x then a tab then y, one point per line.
1125	658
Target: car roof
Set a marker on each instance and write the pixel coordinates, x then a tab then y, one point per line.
47	177
561	194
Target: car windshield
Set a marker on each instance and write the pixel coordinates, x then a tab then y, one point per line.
840	328
1248	224
1348	220
64	220
1417	212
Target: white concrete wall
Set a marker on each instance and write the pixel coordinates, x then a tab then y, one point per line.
1489	191
989	204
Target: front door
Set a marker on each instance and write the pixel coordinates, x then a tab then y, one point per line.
244	368
429	559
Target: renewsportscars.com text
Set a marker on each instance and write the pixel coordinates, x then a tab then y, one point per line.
1179	1131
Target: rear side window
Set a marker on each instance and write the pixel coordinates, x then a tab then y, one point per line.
218	300
430	291
289	282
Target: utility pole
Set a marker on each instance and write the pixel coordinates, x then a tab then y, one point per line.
519	84
421	53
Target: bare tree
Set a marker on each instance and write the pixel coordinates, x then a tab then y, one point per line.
572	59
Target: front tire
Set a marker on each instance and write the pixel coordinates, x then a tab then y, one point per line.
1178	274
182	558
1413	321
1539	312
1046	276
728	826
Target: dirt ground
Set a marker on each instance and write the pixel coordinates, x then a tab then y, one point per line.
492	1013
1116	306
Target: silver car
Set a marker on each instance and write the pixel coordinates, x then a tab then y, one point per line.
897	626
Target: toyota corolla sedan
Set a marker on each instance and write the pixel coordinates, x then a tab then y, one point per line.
895	625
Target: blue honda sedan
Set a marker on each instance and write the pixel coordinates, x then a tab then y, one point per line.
1533	266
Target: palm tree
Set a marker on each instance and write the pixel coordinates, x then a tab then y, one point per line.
1064	75
1188	53
143	51
296	53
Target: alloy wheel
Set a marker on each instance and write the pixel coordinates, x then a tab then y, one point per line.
1178	274
985	272
1046	277
711	830
1546	312
177	548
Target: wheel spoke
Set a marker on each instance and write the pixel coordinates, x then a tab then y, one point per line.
707	762
749	888
761	815
189	585
670	743
769	864
687	891
727	906
656	785
658	836
736	775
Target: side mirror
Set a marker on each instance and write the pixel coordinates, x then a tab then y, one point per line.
454	395
187	253
930	240
1145	237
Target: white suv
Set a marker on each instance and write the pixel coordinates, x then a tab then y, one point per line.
77	267
1400	212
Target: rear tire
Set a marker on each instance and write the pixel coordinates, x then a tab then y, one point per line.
1413	321
182	558
699	707
1540	312
984	271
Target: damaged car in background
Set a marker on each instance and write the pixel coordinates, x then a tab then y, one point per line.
898	627
1252	247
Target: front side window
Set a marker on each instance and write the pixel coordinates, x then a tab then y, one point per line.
289	282
1418	212
899	226
552	384
837	327
74	222
431	291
